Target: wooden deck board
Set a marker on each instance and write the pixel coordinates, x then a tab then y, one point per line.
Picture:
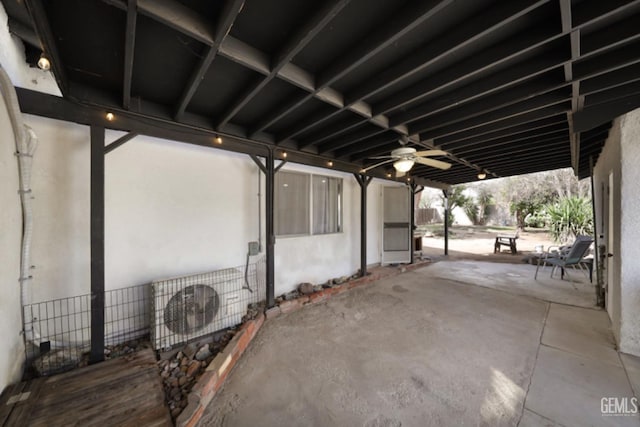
124	392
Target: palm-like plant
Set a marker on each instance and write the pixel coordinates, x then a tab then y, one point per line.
570	217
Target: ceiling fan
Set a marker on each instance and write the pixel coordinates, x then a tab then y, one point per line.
404	158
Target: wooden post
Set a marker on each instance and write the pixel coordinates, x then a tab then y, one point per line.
97	244
363	181
446	221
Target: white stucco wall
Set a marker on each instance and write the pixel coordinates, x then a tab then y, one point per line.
11	356
609	162
172	209
621	156
630	233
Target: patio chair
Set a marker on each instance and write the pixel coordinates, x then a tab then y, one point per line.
566	256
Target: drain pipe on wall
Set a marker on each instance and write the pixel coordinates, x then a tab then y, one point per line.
26	143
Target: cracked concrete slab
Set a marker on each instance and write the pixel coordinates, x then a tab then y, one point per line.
518	279
403	351
568	389
421	349
583	332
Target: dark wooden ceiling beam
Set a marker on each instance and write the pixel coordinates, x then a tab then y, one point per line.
490	133
54	107
610	60
612	94
129	48
611	79
352	138
591	117
621	32
331	131
542	161
518	150
226	19
493	83
466	33
480	144
374	142
49	46
496	101
503	123
24	32
465	69
576	100
514	110
179	17
186	21
387	33
541	38
589	12
506	143
373	151
304	35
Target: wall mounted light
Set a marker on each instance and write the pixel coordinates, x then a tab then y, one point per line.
110	116
43	63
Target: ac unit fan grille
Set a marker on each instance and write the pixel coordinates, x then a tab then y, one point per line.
191	309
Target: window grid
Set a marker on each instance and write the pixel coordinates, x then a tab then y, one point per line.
323	208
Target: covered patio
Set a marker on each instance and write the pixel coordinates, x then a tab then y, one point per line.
223	153
427	348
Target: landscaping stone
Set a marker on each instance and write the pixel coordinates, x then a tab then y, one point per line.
203	353
305	288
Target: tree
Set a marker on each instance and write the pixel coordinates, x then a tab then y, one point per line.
528	194
456	198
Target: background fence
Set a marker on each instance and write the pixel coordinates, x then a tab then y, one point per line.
428	216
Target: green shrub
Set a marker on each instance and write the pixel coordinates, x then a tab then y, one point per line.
570	217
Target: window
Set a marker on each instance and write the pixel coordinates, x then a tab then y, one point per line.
307	204
291	203
327	207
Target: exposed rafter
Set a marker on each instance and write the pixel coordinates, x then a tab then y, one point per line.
229	13
304	35
129	46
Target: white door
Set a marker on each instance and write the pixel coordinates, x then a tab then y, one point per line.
609	260
396	225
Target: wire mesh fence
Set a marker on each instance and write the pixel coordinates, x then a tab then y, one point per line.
184	308
167	312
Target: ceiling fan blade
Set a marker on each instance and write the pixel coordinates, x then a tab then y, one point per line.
400	174
375	165
433	163
426	153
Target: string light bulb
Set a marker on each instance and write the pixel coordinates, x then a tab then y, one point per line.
284	154
110	116
482	175
330	163
43	63
218	140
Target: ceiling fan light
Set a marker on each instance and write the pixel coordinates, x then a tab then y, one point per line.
403	165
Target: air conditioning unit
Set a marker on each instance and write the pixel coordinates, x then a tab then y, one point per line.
185	308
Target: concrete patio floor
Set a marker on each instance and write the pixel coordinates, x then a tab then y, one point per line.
420	349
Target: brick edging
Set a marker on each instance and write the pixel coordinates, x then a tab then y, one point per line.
218	370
